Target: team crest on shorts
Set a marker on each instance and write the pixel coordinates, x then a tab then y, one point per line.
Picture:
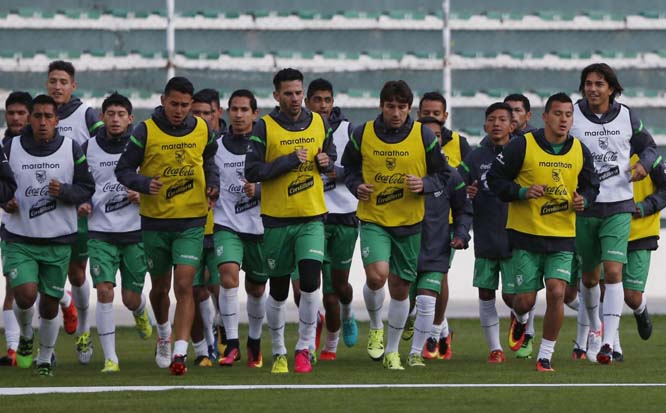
219	250
271	263
519	279
13	273
96	269
365	252
150	262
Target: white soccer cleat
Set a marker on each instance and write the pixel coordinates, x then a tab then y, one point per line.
163	353
593	345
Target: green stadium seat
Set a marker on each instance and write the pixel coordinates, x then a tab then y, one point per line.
353	55
25	12
235	53
53	54
120	53
71	14
474	131
496	93
93	14
232	15
98	93
7	54
73	54
120	13
494	15
396	55
468	54
464	15
307	55
210	14
516	16
467	93
212	55
3	14
159	12
490	54
651	93
564	54
650	14
515	54
47	14
28	54
188	14
97	52
331	54
307	14
421	54
258	54
191	54
284	13
351	14
145	94
141	14
584	55
284	54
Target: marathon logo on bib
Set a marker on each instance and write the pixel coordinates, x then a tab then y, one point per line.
180	187
296	141
243	206
389	195
118	201
553	207
42	207
300	184
609	173
62	129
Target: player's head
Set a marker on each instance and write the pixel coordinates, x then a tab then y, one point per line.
60	83
242	111
17	111
558	115
117	114
434	125
288	91
43	117
521	109
212	97
177	99
320	97
433	104
599	84
395	102
497	123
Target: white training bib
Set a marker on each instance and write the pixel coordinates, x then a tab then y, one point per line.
339	200
74	126
611	151
233	208
40	215
112	211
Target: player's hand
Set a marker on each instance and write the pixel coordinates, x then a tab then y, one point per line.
457	243
133	196
322	160
534	191
212	193
637	172
472	189
155	185
638	213
332	175
11	206
363	191
54	188
302	155
414	183
84	209
249	189
578	202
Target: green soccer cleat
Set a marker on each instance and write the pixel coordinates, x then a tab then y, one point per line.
280	365
84	348
376	344
45	370
143	324
392	361
525	350
415	360
408	332
110	366
24	353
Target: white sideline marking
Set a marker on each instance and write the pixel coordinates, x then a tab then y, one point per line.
19	391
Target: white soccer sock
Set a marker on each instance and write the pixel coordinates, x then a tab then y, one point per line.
617	347
81	297
207	310
48	335
308	314
583	322
256	310
229	309
445	328
601	310
591	297
574	304
141	307
521	318
200	348
106	329
180	348
275	318
436	331
66	300
398	312
332	339
613	303
425	314
637	311
529	330
490	324
164	330
546	349
24	319
12	329
345	311
374	301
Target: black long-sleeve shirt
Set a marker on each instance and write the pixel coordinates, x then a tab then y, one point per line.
653	204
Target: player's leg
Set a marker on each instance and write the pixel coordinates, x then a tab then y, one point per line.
12	330
486	279
634	279
81	290
133	276
527	267
428	287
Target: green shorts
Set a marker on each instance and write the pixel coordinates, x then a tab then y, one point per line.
80	245
285	246
402	253
576	270
340	245
531	268
165	249
635	273
106	259
602	239
249	255
44	265
487	274
208	262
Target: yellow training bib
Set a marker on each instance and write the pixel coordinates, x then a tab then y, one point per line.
386	166
452	150
179	163
551	215
299	192
647	226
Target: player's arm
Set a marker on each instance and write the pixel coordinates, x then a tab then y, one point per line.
461	209
438	171
505	169
465	148
131	159
656	201
256	167
588	180
642	144
211	171
83	186
7	181
93	122
352	161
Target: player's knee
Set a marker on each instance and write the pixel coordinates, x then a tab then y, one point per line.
131	299
280	288
104	292
330	301
633	298
487	295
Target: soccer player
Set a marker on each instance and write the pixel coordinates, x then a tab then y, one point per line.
522	112
78	122
435	254
17	109
389	163
341	227
544	189
238	233
52	177
177	178
612	132
114	229
455	148
492	252
289	148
